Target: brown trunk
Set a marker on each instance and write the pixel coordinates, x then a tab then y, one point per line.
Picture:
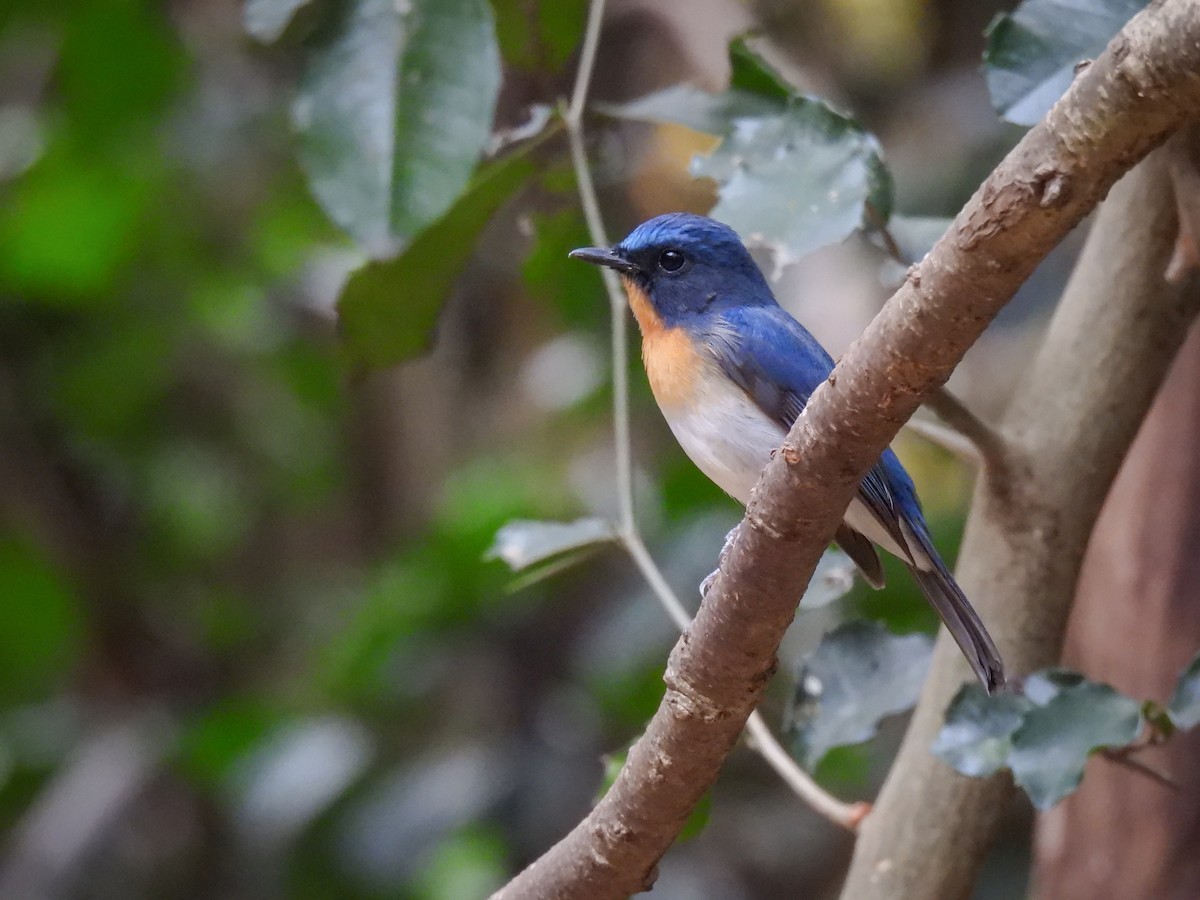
1135	624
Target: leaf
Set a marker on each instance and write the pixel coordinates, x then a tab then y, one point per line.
797	181
859	674
394	108
977	735
539	34
750	73
1052	745
1032	53
523	543
1184	707
832	580
267	20
792	174
388	310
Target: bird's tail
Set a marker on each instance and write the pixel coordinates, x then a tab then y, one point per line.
963	623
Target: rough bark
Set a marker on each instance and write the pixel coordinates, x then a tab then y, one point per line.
1135	624
1112	339
1142	88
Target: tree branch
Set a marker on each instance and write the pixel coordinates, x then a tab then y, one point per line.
1142	88
989	443
846	815
1114	335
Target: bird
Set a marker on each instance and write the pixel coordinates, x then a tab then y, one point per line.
731	370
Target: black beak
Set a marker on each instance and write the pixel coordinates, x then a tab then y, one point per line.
602	256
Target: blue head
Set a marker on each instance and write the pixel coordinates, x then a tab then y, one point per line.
684	265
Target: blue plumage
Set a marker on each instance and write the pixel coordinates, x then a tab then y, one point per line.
732	370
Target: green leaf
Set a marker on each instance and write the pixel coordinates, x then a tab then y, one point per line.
752	74
1032	53
388	310
394	109
267	20
859	674
523	543
43	624
797	181
977	735
1184	707
539	34
1052	745
792	173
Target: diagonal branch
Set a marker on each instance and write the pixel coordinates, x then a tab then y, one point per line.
846	815
1145	85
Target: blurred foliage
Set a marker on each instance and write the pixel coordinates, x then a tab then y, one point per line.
220	529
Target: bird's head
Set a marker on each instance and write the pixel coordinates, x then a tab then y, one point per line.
683	265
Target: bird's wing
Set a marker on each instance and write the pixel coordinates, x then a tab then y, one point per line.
774	359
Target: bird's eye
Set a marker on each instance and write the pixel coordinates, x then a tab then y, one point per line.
671	261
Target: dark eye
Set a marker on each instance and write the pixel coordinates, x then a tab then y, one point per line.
671	261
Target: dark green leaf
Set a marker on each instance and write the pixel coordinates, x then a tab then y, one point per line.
539	33
750	73
859	674
388	310
1032	53
43	623
395	107
977	735
1052	745
524	543
1184	707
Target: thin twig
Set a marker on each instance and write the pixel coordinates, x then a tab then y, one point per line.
762	740
990	443
950	440
1123	756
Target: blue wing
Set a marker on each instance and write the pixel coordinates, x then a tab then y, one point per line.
774	359
779	364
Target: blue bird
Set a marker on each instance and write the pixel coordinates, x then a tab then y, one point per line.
731	371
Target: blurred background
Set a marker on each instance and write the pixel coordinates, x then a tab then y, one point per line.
250	645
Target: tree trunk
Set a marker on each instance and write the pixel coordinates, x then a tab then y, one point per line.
1135	624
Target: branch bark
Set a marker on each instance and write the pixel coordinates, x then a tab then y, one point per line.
1142	88
1113	337
1135	624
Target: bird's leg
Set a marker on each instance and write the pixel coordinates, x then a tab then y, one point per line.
712	576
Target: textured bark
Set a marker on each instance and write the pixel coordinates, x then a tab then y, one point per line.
1135	624
1116	330
1141	89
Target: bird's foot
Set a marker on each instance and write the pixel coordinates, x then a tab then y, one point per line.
711	577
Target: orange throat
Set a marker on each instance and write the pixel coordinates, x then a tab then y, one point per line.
669	354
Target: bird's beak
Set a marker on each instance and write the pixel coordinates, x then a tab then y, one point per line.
602	256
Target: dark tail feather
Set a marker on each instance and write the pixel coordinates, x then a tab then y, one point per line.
963	622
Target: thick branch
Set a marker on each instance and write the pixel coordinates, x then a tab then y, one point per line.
1144	86
1113	337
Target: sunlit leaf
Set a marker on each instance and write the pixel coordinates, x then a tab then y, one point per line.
797	181
1052	745
1184	707
792	174
394	108
388	310
859	674
977	735
525	543
1032	53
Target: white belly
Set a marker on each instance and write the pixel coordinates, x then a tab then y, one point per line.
732	443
